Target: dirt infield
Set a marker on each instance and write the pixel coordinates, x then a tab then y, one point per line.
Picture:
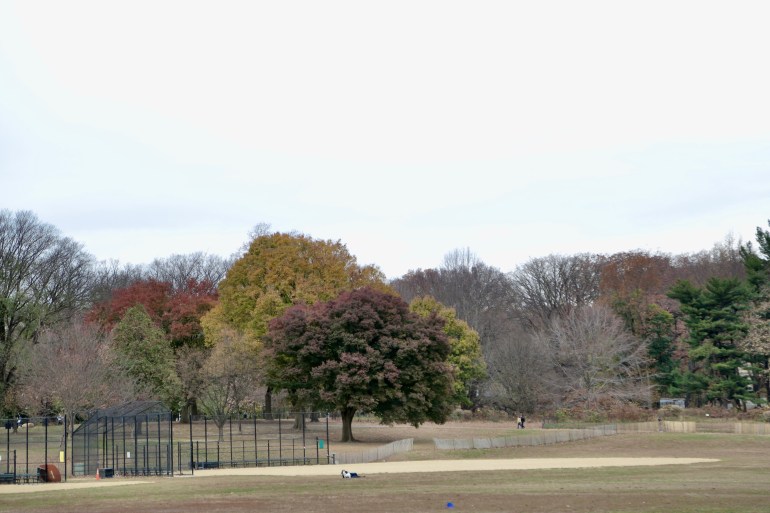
480	465
372	469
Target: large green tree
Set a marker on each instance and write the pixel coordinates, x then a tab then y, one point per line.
363	351
659	333
44	278
146	355
757	342
757	261
721	370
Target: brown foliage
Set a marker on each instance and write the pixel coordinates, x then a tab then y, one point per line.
177	311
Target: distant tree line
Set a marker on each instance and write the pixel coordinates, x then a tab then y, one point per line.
296	322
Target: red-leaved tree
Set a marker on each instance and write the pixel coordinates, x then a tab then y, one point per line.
177	311
364	351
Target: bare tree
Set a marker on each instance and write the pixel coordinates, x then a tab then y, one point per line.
592	356
110	276
259	230
723	260
232	375
72	368
518	371
553	286
179	270
481	295
190	363
44	278
461	259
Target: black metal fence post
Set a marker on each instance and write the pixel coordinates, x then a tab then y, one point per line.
26	448
171	445
146	444
123	449
65	449
192	461
327	437
8	427
45	424
113	447
136	447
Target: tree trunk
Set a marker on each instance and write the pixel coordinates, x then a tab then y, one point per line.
221	428
347	415
299	421
767	379
268	411
188	410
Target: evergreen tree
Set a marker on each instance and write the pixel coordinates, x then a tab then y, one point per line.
757	264
660	336
722	371
146	355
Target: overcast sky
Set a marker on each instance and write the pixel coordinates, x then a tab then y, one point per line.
403	129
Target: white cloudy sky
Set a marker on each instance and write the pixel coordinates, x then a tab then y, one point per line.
405	129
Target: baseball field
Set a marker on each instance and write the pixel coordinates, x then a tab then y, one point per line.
640	473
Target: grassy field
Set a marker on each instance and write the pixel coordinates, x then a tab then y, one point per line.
737	483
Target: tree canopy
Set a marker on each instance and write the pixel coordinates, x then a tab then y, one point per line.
176	310
465	356
44	278
363	351
714	317
279	270
283	269
146	356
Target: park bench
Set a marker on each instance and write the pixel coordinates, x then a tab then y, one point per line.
27	478
288	461
7	478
